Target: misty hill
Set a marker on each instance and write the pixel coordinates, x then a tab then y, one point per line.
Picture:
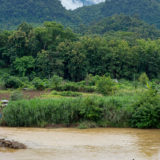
14	12
122	23
148	10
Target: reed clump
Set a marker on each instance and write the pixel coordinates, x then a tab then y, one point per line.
68	111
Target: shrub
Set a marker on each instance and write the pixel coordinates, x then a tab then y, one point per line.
12	82
146	113
143	79
91	110
55	82
38	83
106	86
91	80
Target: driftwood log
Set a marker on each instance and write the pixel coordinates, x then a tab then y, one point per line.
11	144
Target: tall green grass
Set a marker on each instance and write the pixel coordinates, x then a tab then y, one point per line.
120	110
68	111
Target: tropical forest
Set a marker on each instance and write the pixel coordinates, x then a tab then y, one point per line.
87	65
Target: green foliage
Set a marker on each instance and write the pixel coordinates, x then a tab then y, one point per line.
55	82
143	79
123	26
91	80
11	81
67	93
106	86
38	83
54	50
147	10
73	86
91	110
16	95
32	11
146	112
66	111
24	66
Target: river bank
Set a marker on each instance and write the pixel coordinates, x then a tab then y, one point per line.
86	112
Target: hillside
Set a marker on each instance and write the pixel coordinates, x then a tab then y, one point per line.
148	10
14	12
122	23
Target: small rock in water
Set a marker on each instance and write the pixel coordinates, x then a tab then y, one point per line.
11	144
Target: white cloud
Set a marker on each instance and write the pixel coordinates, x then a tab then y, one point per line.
69	4
73	4
97	1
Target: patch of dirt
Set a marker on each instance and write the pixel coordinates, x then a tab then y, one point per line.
33	94
27	94
4	96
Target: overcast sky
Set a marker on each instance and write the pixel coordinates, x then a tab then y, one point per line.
73	4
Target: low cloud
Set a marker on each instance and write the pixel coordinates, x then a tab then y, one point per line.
73	4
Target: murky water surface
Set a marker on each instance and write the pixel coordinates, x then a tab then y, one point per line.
75	144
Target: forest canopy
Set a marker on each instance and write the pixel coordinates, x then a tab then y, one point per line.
53	49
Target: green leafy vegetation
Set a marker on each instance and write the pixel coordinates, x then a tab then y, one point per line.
147	10
122	26
53	50
106	86
104	73
146	112
14	12
67	93
36	12
126	108
60	111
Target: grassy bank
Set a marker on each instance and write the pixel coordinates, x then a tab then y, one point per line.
68	111
93	111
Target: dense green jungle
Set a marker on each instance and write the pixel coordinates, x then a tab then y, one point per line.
91	67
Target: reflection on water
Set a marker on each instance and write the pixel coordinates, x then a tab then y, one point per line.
90	144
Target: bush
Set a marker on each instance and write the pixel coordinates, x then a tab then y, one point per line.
143	79
91	80
12	82
55	82
16	96
146	113
38	83
106	86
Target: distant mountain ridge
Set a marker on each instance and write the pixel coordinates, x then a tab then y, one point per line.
148	10
122	25
14	12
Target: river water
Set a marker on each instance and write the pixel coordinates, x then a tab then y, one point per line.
75	144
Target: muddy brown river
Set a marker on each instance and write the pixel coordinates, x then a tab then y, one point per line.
75	144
